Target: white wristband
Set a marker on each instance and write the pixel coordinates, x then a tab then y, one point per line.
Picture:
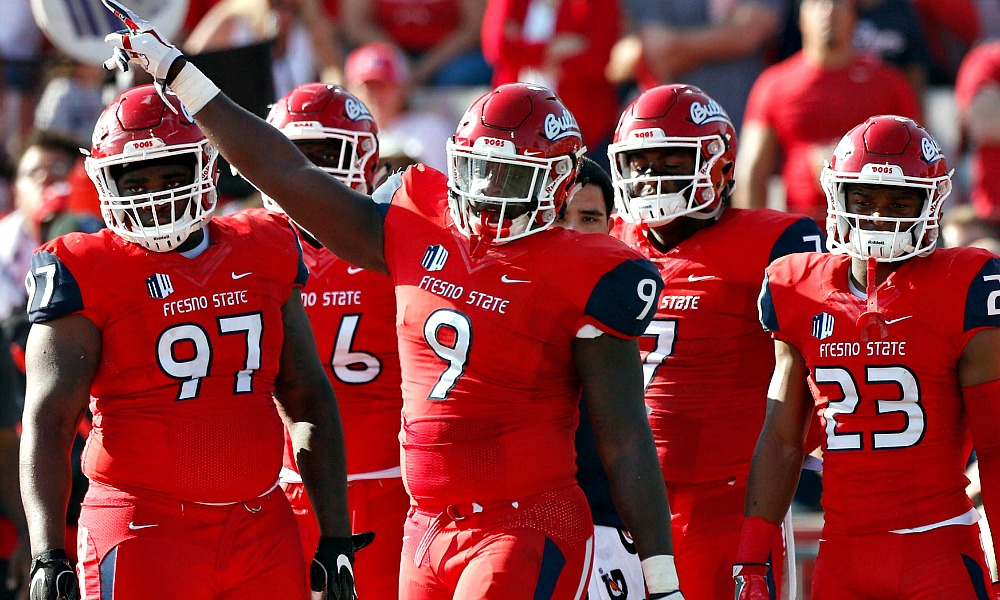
193	88
660	574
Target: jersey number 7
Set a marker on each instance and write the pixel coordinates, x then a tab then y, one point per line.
664	331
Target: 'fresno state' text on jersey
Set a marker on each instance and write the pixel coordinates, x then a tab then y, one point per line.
895	444
490	389
182	399
706	361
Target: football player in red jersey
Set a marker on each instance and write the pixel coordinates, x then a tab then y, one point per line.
706	361
898	341
501	321
352	312
178	340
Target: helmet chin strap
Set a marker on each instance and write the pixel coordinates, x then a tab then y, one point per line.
872	318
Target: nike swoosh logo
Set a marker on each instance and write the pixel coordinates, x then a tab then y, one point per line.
134	527
241	275
506	279
891	321
700	277
353	270
345	563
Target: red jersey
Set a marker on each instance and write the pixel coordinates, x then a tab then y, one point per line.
418	25
490	389
792	98
182	399
981	68
896	442
706	361
353	316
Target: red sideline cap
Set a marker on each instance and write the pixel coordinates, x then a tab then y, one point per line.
376	62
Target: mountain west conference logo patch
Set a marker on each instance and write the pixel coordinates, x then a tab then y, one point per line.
159	286
434	258
822	326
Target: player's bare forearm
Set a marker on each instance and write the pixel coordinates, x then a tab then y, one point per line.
318	442
637	487
777	459
774	474
46	477
612	385
309	409
345	221
61	358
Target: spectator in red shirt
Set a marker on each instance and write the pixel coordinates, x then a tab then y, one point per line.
800	107
951	27
441	37
977	94
563	45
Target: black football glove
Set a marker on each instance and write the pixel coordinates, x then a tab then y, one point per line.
52	577
331	576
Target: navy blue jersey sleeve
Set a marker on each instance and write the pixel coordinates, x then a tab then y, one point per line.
765	307
302	273
803	235
625	298
383	195
982	305
52	290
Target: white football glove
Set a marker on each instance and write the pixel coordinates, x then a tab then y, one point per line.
140	44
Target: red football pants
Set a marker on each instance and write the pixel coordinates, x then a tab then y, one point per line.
943	563
706	520
154	548
539	549
378	505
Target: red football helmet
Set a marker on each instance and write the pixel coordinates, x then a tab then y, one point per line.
886	150
138	126
511	163
319	111
673	117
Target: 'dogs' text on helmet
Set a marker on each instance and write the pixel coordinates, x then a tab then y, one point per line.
894	151
511	163
673	117
138	127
